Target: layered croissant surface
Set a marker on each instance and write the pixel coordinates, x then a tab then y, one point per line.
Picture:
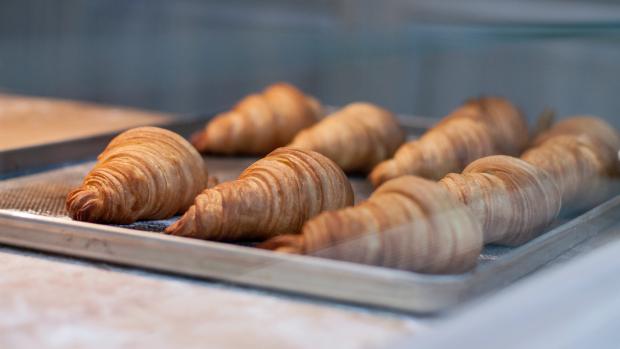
439	199
416	224
509	200
144	173
356	137
259	123
580	153
408	223
275	195
512	199
481	127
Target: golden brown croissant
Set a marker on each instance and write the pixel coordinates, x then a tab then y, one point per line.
407	223
356	137
275	195
479	128
259	123
415	224
144	173
591	126
515	199
579	153
511	198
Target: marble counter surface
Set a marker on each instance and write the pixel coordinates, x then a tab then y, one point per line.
54	302
28	121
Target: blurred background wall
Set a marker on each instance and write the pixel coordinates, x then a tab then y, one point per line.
418	57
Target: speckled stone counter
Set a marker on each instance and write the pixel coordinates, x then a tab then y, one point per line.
53	302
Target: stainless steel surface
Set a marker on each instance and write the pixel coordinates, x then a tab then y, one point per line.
400	290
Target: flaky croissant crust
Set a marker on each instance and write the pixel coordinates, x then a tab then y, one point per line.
512	199
415	224
275	195
481	127
356	137
144	173
259	123
588	126
580	153
408	223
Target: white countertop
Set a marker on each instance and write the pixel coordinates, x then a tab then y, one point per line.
54	302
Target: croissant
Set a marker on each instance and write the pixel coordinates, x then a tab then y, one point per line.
144	173
565	168
408	223
479	128
511	198
590	126
579	153
259	123
418	225
357	137
275	195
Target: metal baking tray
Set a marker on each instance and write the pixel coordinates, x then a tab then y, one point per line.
32	215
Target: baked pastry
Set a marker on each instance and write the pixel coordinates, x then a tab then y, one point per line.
496	199
580	153
275	195
512	199
408	223
481	127
588	125
259	123
356	137
144	173
419	225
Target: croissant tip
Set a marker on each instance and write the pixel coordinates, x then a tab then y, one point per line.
174	228
289	243
382	173
199	141
184	226
85	205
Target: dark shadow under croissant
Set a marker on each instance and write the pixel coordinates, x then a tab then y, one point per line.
144	173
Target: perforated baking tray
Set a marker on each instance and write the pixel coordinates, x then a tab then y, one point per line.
32	215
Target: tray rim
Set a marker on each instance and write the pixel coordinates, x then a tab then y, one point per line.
375	286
